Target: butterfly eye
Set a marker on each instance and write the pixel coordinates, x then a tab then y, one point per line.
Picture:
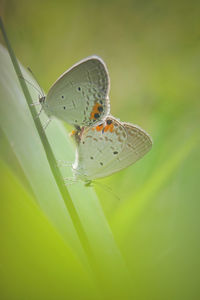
64	107
79	88
62	97
109	122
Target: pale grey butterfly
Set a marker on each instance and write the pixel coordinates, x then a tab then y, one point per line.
108	148
80	95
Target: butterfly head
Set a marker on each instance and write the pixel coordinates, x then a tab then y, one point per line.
42	99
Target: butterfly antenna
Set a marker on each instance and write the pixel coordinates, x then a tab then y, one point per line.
107	188
62	163
41	90
31	85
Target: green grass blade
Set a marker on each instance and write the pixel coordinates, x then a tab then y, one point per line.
48	151
18	129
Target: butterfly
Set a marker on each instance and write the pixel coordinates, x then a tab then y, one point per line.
80	95
108	148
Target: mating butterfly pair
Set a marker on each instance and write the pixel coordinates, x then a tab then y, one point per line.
104	145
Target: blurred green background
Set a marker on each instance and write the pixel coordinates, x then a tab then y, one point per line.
152	50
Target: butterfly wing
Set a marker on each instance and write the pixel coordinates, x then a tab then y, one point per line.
137	144
102	154
98	146
80	95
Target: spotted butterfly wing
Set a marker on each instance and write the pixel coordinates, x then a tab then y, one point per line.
108	148
137	144
80	95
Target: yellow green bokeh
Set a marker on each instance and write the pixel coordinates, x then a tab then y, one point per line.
145	242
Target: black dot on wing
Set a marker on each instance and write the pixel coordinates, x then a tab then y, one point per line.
101	163
62	97
79	88
75	121
83	142
115	152
91	157
100	108
64	107
96	116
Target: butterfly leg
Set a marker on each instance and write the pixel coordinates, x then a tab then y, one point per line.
46	124
69	183
70	180
35	103
62	163
39	113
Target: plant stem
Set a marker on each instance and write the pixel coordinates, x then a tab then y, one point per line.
49	153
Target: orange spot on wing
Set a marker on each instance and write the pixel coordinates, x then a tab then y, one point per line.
99	127
95	110
92	115
106	128
111	127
